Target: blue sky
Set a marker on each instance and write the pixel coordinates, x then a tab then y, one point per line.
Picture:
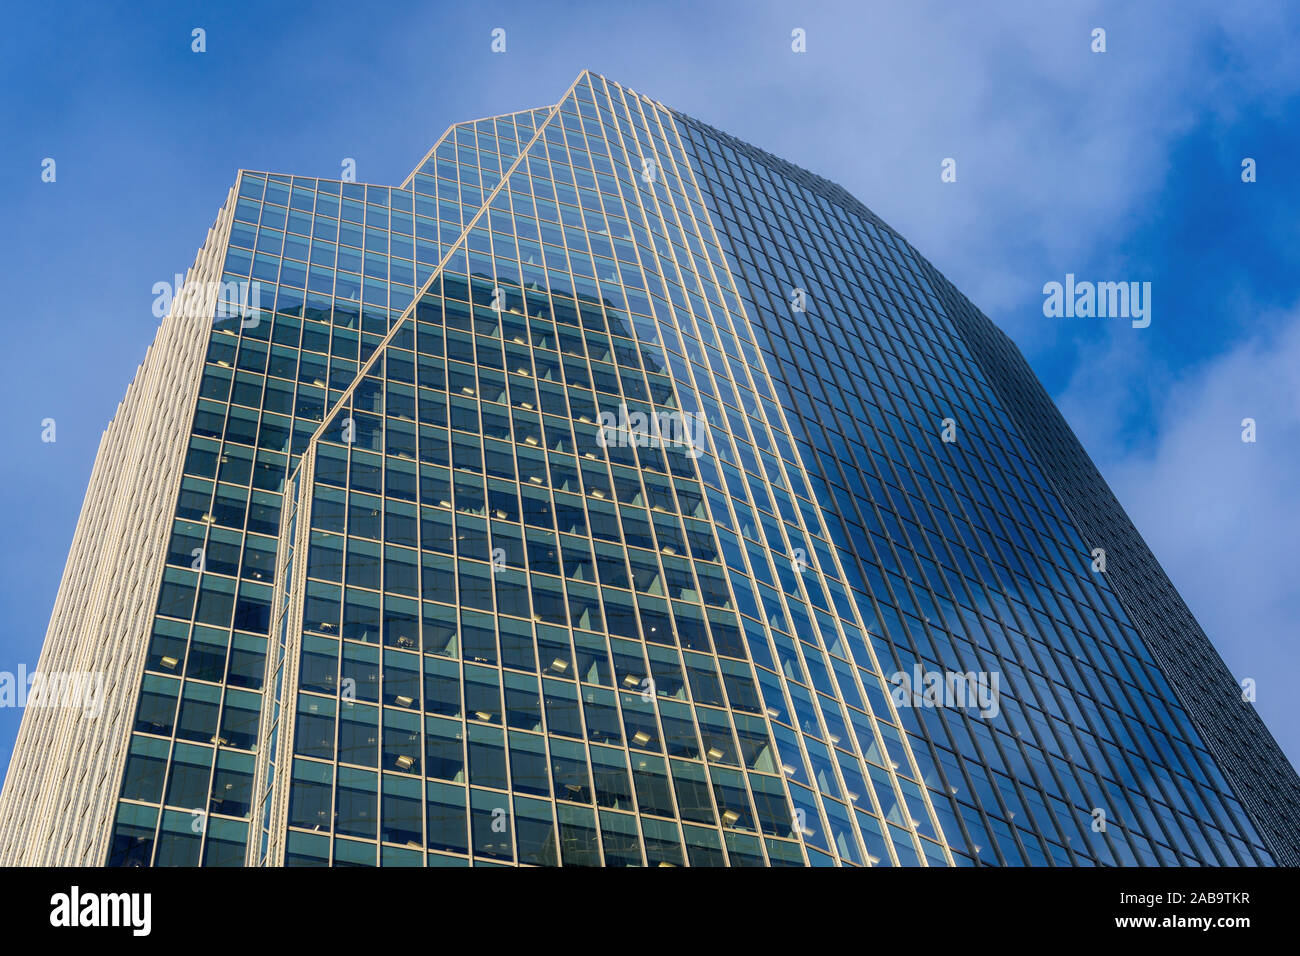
1123	165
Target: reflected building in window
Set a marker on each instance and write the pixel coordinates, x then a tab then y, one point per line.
612	492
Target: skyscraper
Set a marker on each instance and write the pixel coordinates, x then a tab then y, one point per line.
612	492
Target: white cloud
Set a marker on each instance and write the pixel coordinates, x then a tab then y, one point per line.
1220	514
1058	149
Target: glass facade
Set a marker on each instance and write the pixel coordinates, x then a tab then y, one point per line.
960	556
589	500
